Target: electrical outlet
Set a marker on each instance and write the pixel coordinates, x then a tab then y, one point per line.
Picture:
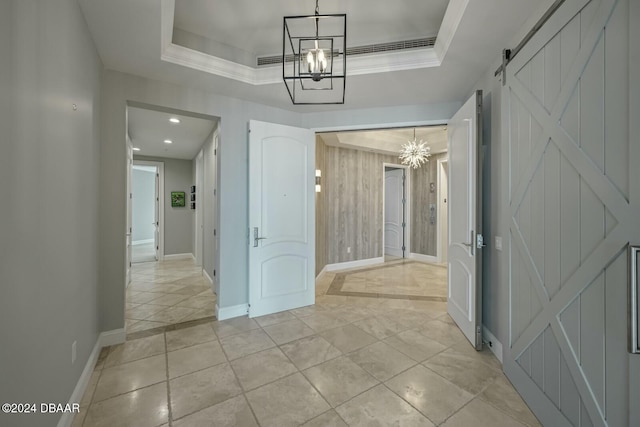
73	352
498	243
348	249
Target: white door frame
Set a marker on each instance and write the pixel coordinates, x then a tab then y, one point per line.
128	223
199	226
439	246
216	207
407	206
160	201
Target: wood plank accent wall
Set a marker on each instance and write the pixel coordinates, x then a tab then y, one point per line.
321	210
424	234
349	207
354	181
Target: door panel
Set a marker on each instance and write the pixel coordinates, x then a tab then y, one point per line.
281	217
394	212
284	201
465	220
571	200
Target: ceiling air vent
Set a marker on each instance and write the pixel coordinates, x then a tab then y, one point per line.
361	50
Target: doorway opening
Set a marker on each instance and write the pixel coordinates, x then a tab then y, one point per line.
380	216
147	222
172	217
396	232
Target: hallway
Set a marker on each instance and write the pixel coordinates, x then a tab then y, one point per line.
348	360
165	293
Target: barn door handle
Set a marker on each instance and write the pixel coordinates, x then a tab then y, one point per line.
634	300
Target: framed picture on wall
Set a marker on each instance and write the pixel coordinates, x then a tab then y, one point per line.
177	199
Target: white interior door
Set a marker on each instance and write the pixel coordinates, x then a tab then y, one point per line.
129	228
394	212
465	219
281	218
571	157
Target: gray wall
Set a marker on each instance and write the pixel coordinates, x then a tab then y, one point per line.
178	222
424	234
143	207
49	163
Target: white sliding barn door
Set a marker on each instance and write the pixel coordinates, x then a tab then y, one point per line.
570	160
281	218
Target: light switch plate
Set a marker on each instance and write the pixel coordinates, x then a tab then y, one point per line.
498	243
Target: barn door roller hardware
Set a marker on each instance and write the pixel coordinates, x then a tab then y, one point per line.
509	54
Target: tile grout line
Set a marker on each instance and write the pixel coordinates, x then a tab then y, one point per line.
166	364
336	307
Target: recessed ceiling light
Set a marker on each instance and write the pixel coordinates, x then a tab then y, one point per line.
168	141
136	149
174	120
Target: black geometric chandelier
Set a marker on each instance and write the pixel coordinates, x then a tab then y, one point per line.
314	63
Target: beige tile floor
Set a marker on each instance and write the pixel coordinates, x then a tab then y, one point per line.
394	278
345	361
166	293
145	252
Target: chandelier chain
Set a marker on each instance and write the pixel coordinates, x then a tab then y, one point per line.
317	19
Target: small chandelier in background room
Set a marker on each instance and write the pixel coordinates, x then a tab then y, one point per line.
414	153
314	62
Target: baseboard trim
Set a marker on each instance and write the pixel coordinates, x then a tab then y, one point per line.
496	346
224	313
324	270
142	242
116	336
354	264
424	258
105	339
178	256
193	257
206	275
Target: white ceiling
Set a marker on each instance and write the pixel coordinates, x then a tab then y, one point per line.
149	128
135	36
388	141
256	26
150	169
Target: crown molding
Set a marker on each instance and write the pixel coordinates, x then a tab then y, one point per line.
452	18
357	65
